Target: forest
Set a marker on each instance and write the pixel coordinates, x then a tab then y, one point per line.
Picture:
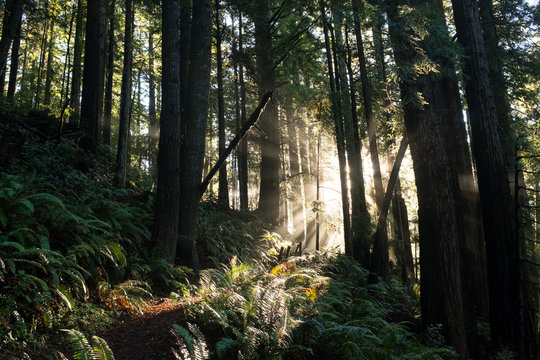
270	179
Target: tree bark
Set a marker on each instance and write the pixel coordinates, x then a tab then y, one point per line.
380	263
340	139
13	15
511	325
243	147
50	58
269	142
125	98
108	102
153	131
194	128
14	69
437	188
75	98
294	178
165	229
223	192
93	75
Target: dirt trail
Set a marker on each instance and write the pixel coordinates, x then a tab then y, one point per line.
147	336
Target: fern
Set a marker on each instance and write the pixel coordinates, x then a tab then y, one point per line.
99	350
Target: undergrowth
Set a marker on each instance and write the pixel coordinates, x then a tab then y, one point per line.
311	307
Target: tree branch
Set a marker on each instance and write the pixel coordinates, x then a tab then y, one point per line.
247	126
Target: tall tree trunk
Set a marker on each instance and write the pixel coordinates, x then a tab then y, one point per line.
294	178
185	48
437	188
511	324
243	147
67	63
223	194
93	75
340	138
42	50
50	59
13	15
194	128
78	48
380	247
165	229
109	71
125	98
269	187
14	69
153	131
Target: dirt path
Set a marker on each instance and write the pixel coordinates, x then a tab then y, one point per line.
147	336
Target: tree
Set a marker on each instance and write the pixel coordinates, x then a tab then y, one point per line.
194	127
13	15
166	211
93	74
223	195
125	99
109	73
437	187
510	325
75	98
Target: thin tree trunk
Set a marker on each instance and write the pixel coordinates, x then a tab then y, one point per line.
223	193
242	149
42	56
67	63
380	247
340	141
50	60
125	98
109	71
75	100
294	178
152	116
14	69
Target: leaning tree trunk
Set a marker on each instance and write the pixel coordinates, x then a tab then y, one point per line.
511	322
125	99
165	229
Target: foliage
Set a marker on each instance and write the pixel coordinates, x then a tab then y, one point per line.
66	236
314	307
99	350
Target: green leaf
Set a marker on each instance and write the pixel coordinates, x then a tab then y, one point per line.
102	351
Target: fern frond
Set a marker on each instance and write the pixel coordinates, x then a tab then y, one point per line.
101	349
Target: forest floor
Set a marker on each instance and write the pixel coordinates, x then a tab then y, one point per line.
148	335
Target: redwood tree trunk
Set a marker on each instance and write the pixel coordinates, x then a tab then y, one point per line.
223	194
14	68
13	11
194	128
93	75
125	99
437	188
75	100
107	107
270	164
165	229
511	324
